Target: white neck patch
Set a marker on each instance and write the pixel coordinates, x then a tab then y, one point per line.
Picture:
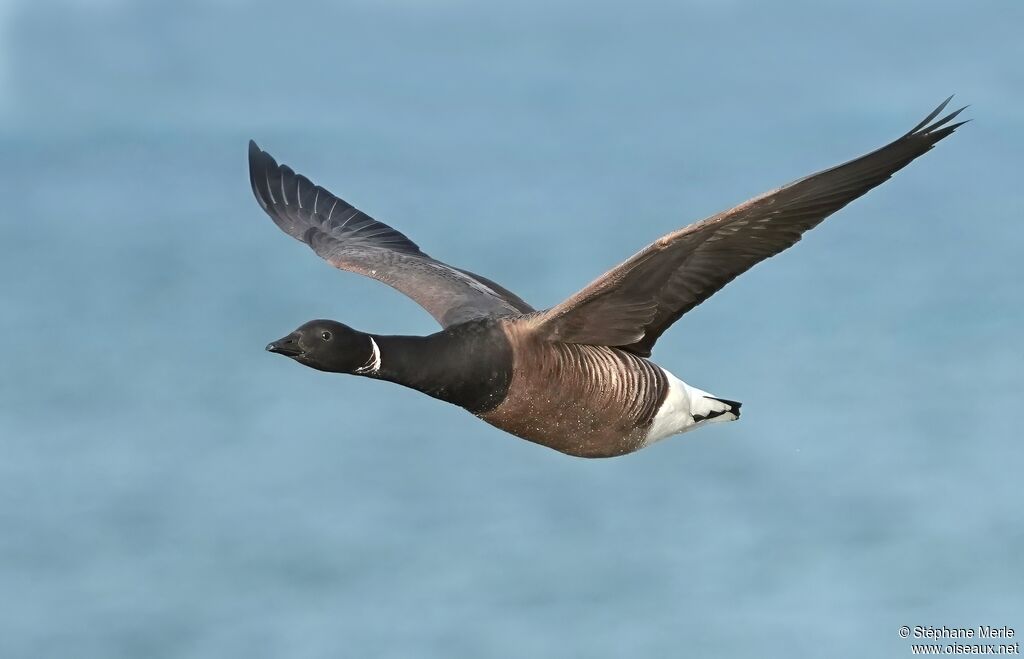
372	365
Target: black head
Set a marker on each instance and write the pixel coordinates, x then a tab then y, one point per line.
327	345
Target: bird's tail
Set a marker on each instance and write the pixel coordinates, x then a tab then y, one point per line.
709	408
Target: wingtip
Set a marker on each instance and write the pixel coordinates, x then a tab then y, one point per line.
930	126
259	159
257	165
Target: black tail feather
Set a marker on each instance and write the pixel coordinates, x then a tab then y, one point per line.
734	408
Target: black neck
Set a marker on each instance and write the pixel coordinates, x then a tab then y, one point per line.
405	360
465	367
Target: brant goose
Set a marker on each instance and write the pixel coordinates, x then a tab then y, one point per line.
574	377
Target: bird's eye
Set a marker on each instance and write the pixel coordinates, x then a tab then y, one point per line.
326	336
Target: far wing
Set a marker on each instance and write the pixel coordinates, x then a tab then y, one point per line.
351	240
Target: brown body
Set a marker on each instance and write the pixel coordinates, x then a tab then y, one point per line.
587	401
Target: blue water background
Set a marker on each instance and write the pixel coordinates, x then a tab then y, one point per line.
167	489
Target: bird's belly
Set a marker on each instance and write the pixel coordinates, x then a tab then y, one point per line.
573	426
585	401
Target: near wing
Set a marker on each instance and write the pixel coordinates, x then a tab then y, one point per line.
351	240
632	304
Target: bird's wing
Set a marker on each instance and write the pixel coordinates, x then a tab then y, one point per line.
351	240
632	304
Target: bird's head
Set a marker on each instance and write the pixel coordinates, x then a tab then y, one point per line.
327	345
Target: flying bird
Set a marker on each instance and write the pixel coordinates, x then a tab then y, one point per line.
575	377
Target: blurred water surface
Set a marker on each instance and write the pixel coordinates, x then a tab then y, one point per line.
167	489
